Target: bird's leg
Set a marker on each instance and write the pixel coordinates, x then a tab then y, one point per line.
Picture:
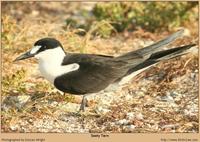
83	103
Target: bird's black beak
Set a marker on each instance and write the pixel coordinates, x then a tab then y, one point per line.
24	56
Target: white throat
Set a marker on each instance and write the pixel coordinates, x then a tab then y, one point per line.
50	63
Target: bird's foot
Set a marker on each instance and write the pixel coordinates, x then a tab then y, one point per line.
83	104
82	108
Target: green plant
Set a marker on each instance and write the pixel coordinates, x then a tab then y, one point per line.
115	12
155	16
14	82
9	32
151	16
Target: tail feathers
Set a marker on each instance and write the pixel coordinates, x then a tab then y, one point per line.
147	51
171	53
160	56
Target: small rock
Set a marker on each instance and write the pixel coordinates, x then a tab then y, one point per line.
122	122
14	127
54	103
189	113
15	101
177	97
130	116
128	97
139	116
102	110
130	127
23	98
166	98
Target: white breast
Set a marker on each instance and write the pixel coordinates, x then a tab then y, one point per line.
50	64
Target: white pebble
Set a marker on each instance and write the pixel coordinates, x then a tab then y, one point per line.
122	122
131	127
130	115
139	116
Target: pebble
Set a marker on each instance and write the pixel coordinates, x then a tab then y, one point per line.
130	127
54	103
130	116
176	96
189	113
139	116
122	122
128	98
166	98
101	110
23	98
15	101
14	127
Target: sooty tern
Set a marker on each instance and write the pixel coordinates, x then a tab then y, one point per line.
82	74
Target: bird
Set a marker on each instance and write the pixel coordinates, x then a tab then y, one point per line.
83	74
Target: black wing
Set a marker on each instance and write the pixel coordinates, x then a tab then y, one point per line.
95	73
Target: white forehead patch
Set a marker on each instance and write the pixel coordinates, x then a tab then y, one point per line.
35	49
